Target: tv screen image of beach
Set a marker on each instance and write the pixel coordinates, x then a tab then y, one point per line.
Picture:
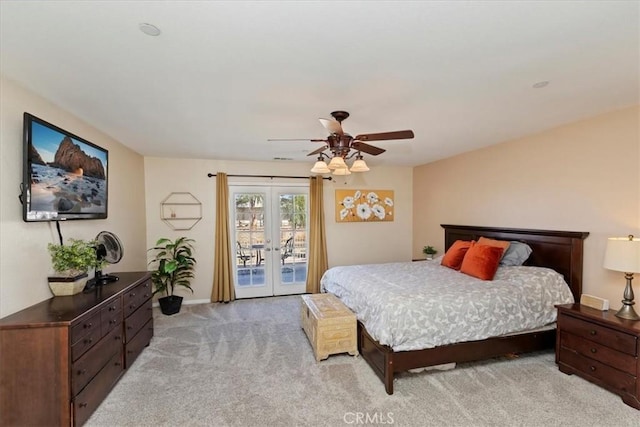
68	176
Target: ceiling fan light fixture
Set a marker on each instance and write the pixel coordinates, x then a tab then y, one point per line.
337	162
342	171
359	165
320	167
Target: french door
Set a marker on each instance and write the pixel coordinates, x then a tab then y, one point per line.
270	239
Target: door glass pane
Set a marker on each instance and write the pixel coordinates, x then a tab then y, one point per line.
293	238
249	226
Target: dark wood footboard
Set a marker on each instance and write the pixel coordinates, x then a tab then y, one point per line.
386	363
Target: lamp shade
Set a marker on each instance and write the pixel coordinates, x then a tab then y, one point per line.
623	254
342	171
359	166
337	162
320	167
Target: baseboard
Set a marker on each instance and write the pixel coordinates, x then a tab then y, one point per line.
188	302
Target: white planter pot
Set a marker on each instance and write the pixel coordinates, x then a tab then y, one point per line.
65	286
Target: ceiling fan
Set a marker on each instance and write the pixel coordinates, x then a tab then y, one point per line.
340	144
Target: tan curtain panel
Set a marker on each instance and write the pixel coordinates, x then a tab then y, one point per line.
223	287
317	238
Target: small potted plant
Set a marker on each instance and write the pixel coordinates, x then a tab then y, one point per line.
173	265
429	252
71	262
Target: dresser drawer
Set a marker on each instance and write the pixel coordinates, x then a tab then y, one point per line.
85	368
138	343
599	352
136	321
600	334
111	315
85	326
594	369
94	393
87	341
136	297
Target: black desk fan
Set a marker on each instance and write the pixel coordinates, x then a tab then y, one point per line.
108	248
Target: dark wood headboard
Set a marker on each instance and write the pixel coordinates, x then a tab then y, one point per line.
559	250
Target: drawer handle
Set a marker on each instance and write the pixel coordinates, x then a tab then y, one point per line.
592	332
146	295
593	350
132	306
88	325
117	337
129	327
593	368
82	371
112	308
117	364
88	341
82	405
130	351
132	294
112	322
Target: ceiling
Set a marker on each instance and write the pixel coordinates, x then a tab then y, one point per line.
223	77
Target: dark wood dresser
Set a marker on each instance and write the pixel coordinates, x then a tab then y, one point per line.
61	357
601	348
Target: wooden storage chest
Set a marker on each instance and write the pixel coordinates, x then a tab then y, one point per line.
329	325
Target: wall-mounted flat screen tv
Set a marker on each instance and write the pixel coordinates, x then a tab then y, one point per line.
64	176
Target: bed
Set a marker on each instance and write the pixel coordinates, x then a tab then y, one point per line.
560	251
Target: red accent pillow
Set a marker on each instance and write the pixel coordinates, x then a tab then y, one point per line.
492	242
454	256
481	261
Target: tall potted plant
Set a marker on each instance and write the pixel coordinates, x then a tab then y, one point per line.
71	262
173	265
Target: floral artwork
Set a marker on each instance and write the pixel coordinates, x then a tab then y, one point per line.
364	205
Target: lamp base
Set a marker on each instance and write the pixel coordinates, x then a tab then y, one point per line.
627	312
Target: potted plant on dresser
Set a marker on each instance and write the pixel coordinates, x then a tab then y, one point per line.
429	252
173	265
71	262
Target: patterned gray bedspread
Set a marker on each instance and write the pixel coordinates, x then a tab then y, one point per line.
417	305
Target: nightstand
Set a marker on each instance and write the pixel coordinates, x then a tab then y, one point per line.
601	348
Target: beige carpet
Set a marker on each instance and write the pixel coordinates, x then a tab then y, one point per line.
248	363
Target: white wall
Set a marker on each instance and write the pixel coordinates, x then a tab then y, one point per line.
349	243
580	177
24	260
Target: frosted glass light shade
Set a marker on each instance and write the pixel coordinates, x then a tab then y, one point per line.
359	166
342	171
622	254
337	163
320	167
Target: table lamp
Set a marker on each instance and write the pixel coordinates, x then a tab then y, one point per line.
623	254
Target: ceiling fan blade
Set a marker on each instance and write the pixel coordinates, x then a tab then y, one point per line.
297	139
332	126
366	148
318	151
400	134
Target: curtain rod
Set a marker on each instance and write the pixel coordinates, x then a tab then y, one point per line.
212	175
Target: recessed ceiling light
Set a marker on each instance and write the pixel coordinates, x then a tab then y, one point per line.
540	85
149	29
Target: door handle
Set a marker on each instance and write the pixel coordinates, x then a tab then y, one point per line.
276	249
267	249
